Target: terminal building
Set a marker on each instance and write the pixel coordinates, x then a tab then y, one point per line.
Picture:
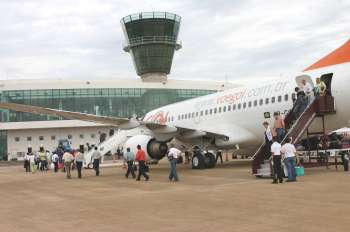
151	40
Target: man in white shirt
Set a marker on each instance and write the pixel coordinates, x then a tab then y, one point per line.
289	154
307	88
96	157
276	157
173	155
54	160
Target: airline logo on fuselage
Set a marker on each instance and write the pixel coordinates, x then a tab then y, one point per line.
159	117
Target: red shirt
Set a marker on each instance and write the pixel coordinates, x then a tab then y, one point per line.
140	155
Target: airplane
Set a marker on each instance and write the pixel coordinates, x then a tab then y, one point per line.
223	120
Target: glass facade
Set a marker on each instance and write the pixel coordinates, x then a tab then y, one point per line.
118	102
3	145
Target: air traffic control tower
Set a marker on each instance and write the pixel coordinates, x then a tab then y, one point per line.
151	39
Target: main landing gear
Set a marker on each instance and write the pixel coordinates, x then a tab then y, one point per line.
202	160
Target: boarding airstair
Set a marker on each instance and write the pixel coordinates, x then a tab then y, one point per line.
109	145
319	107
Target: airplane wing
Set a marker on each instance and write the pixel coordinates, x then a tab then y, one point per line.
113	121
123	123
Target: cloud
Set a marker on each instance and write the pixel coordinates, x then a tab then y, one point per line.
221	39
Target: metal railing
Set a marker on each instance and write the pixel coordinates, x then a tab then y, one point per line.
151	15
142	40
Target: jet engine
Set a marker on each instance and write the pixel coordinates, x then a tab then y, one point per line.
154	149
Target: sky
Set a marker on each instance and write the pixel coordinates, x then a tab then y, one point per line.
222	40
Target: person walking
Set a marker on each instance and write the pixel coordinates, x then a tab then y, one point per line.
42	158
96	157
28	158
129	158
289	154
218	155
279	126
276	158
141	158
68	159
173	155
79	159
307	88
54	160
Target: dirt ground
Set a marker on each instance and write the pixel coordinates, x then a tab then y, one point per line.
227	198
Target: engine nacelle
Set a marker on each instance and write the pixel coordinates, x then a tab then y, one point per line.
154	149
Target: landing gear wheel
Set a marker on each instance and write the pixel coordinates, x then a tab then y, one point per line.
210	160
198	161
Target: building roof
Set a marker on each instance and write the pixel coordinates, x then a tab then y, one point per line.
338	56
48	124
26	84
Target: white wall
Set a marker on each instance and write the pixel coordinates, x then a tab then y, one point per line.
14	147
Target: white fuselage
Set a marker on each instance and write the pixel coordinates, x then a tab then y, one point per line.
239	112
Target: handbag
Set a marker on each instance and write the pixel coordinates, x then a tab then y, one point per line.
299	170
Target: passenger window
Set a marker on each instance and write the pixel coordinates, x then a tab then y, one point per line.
233	107
206	112
255	102
229	108
215	110
249	104
185	116
196	114
279	99
286	97
178	117
192	115
182	116
219	109
211	111
239	106
261	101
293	96
273	99
267	101
244	105
224	109
202	113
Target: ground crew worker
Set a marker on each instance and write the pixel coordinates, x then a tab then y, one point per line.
42	158
68	159
96	157
345	160
129	158
218	155
141	158
173	155
79	159
54	160
276	158
289	154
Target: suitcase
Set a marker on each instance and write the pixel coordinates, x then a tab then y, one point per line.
299	170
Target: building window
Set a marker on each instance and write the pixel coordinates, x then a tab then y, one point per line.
279	98
17	139
70	136
53	137
41	138
81	136
92	136
29	138
273	99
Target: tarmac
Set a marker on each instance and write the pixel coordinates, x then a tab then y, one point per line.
227	198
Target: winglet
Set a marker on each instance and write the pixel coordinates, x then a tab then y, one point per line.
338	56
